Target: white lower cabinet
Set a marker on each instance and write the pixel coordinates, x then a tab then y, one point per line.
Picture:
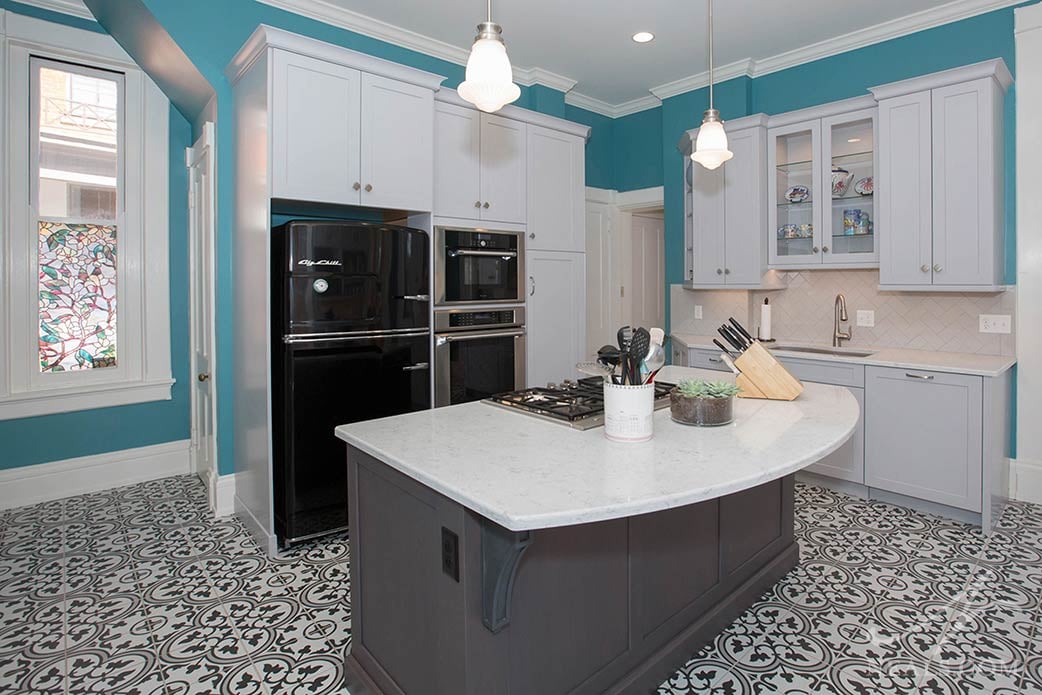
556	315
924	435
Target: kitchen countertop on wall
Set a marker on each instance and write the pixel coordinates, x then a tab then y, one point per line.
927	360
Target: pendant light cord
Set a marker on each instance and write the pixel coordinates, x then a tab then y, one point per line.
710	51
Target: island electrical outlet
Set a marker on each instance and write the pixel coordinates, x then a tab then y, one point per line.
450	553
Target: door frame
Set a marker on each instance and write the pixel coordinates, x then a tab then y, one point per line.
202	153
628	203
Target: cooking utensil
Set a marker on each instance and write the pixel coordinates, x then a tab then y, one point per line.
608	356
737	336
624	335
639	345
731	338
730	363
596	369
657	336
741	329
653	362
721	346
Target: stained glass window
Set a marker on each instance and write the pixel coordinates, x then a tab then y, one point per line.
77	296
77	146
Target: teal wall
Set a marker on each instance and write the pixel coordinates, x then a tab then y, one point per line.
600	164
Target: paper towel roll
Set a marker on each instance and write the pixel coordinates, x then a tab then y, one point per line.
765	321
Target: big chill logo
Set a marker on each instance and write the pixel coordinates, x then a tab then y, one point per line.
307	262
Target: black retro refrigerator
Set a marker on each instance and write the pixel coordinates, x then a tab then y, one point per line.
351	335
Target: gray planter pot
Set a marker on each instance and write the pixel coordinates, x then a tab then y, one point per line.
701	412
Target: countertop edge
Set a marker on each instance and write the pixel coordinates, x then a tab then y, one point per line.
1008	362
593	514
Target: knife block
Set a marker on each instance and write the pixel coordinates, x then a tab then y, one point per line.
762	376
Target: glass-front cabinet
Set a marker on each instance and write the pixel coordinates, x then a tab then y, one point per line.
821	201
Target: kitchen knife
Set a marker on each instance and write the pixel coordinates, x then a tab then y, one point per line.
730	363
732	338
737	336
741	329
721	346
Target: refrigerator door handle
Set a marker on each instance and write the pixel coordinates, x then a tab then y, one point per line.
415	297
348	337
419	366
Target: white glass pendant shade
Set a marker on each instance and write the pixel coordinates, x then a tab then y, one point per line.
489	83
711	145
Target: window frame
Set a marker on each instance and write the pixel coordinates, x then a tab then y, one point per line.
142	372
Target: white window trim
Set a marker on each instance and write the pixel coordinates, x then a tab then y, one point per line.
143	370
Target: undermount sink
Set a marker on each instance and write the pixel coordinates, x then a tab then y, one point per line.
838	352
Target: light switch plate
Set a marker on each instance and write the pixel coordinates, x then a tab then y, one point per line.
698	311
995	323
866	318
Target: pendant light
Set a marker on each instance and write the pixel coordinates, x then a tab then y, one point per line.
489	83
711	144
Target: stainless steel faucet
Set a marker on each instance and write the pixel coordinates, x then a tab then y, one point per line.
840	314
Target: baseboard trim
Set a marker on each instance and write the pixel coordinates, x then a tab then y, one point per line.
1025	480
221	493
44	482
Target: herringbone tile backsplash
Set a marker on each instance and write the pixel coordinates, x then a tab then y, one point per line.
804	312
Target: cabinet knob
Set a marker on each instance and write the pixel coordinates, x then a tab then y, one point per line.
925	268
477	204
531	235
357	186
485	205
719	271
727	271
814	249
368	187
825	249
937	268
203	376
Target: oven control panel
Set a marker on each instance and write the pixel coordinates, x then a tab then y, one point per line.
472	319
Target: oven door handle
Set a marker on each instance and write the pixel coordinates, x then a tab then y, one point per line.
480	252
455	338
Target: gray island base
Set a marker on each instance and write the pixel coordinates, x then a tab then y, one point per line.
447	602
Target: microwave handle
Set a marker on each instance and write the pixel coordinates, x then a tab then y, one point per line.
480	252
478	336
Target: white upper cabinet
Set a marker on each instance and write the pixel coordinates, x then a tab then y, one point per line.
315	121
480	165
822	163
941	191
346	128
397	163
556	190
457	161
725	210
503	169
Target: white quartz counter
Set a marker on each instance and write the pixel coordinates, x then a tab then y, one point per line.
927	360
528	473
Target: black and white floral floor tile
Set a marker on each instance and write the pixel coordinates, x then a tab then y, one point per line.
139	591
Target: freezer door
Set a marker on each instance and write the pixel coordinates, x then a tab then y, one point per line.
337	277
329	383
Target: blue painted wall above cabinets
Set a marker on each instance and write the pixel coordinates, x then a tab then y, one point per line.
600	172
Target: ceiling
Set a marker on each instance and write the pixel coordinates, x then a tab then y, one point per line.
589	40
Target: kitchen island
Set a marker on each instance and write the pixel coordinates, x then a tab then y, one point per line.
496	553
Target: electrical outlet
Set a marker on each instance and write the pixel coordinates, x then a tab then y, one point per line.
995	323
866	318
698	311
450	553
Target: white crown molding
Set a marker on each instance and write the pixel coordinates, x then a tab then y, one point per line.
1027	18
75	8
43	482
995	69
626	108
451	96
740	68
328	13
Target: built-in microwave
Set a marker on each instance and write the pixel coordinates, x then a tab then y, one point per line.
478	266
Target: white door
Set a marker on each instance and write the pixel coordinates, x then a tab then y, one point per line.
457	161
904	189
201	258
602	277
556	315
315	130
397	164
647	256
503	170
556	190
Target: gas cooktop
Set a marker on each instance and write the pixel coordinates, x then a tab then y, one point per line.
579	404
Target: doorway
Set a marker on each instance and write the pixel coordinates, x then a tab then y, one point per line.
647	269
200	161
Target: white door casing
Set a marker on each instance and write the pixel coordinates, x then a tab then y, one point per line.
602	276
201	200
647	256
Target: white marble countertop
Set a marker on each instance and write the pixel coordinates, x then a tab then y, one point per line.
525	473
926	360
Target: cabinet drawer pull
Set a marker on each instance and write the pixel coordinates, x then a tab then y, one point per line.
531	279
715	359
419	366
926	377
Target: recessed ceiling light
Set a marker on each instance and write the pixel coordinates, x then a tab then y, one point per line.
854	140
643	37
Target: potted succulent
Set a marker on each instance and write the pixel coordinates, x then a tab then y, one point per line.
703	403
